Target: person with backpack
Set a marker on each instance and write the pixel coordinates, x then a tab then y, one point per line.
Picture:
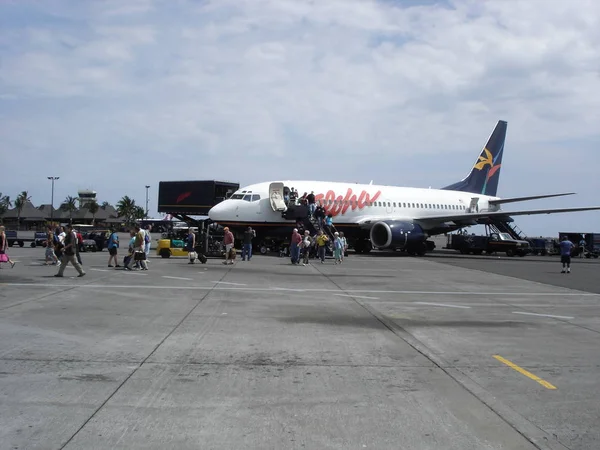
112	245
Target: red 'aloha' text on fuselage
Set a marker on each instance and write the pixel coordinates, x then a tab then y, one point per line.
335	205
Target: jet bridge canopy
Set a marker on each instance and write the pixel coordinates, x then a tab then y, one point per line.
192	197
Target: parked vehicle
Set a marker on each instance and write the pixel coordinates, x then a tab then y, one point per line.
494	243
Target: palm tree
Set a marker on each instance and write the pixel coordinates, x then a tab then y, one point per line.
70	205
5	203
139	212
126	208
93	207
20	203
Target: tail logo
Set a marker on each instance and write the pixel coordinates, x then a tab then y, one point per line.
486	159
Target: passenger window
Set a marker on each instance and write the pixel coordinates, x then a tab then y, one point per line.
394	204
255	197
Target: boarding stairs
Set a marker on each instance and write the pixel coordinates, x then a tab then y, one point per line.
312	225
506	227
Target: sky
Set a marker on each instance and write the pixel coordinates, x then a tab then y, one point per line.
114	95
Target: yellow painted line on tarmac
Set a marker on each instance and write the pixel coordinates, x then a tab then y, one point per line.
524	372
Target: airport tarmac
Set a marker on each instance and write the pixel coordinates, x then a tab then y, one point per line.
380	352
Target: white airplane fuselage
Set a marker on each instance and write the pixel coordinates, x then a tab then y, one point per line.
349	204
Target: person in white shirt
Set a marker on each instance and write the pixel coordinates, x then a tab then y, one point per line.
147	241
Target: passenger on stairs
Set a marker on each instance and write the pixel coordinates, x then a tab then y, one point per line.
319	215
311	203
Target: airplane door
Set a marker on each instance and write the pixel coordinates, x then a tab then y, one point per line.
474	207
276	197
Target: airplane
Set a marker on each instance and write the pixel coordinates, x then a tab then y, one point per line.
385	217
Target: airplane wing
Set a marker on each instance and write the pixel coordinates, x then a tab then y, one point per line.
470	218
501	214
523	199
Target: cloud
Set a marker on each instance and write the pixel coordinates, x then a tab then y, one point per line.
124	94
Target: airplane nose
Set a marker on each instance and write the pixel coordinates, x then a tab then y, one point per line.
216	212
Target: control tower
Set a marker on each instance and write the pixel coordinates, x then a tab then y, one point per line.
86	196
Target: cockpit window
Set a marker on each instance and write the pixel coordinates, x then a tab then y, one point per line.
237	196
255	197
248	197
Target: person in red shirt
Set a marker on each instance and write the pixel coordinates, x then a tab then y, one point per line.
228	241
295	247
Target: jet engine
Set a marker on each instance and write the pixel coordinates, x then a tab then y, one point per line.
398	234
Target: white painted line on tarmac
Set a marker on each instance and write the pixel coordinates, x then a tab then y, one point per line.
357	296
99	270
227	282
286	289
177	278
369	291
543	315
443	304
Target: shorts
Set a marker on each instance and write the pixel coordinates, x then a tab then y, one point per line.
112	251
565	259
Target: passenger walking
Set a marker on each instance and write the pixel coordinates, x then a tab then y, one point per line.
337	248
190	246
249	234
70	253
147	241
306	245
228	242
565	254
79	246
582	247
344	244
50	254
137	249
295	246
321	245
4	258
112	245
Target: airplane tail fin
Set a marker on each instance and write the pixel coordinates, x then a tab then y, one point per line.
484	176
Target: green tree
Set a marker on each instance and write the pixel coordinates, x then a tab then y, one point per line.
139	212
126	208
69	205
93	207
20	203
5	203
105	205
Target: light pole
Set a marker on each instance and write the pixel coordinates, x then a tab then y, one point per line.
52	200
147	187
